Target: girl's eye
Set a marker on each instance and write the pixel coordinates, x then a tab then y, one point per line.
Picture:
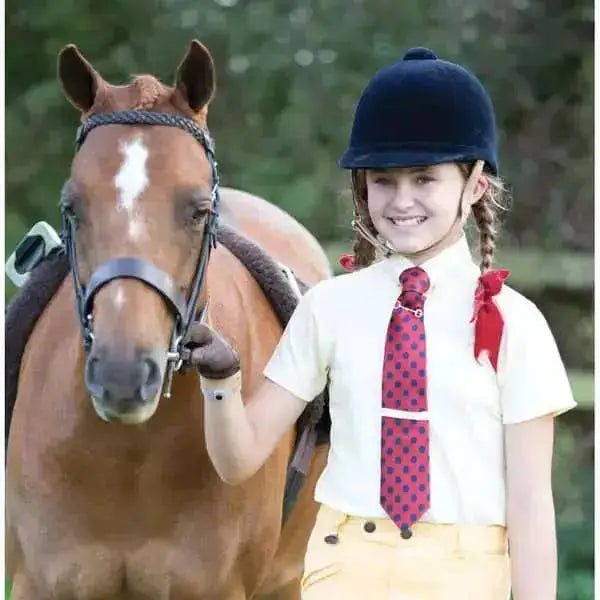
423	179
383	181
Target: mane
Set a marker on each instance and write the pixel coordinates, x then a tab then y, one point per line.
149	91
144	92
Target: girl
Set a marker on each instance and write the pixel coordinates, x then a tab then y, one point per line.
443	381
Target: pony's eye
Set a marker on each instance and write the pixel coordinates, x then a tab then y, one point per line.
192	206
69	210
199	213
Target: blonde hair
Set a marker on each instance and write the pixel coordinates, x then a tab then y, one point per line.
484	211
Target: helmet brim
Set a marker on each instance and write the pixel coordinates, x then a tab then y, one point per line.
398	158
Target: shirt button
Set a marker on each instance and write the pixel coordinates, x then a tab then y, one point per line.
406	534
369	527
331	539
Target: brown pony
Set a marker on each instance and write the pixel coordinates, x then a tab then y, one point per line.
132	508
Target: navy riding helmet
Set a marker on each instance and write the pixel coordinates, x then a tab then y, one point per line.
421	111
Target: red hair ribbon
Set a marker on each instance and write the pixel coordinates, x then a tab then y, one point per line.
347	262
489	323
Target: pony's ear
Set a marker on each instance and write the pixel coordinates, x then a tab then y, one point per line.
195	77
79	80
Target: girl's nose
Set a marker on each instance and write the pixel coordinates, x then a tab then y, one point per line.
404	196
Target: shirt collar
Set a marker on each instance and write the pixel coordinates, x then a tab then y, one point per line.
452	262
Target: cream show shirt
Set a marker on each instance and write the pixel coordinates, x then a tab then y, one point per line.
337	334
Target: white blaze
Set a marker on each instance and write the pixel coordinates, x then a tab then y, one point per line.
135	229
119	298
131	181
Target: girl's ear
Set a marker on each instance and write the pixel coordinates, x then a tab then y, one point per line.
477	183
481	186
475	186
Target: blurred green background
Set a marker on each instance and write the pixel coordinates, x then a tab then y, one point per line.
288	75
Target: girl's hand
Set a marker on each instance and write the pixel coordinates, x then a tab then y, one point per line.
211	354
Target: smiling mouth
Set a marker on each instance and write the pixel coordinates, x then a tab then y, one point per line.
406	221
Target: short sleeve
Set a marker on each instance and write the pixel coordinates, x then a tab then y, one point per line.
532	377
301	359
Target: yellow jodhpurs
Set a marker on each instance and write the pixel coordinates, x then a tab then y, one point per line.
438	562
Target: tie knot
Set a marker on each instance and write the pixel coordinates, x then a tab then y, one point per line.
414	280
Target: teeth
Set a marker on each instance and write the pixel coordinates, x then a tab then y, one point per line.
408	221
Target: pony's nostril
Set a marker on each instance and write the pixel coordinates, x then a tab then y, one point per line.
150	379
121	382
145	370
92	377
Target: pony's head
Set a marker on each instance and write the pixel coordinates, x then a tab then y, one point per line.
136	203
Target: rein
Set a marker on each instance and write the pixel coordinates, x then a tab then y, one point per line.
183	310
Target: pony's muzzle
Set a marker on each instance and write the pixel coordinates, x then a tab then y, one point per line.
122	388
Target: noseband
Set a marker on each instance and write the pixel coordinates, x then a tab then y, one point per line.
182	309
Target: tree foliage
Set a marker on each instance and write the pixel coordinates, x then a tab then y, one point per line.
289	74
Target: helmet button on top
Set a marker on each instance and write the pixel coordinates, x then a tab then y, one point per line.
419	54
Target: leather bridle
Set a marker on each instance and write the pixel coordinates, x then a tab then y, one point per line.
183	310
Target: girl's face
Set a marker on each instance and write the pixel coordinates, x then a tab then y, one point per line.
415	208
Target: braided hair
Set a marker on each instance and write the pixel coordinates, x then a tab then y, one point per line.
364	251
485	215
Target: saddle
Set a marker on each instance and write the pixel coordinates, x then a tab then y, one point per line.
280	287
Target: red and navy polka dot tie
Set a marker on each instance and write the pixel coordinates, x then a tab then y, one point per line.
405	442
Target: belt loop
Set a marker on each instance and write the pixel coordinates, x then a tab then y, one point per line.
334	536
341	522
